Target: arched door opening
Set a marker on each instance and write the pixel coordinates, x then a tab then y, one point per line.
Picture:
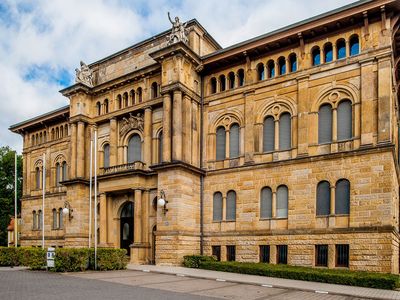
126	225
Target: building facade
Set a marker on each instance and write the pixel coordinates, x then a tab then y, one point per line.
280	149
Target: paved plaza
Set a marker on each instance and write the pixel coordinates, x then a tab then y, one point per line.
136	284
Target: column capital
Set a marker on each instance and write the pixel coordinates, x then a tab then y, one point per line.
148	108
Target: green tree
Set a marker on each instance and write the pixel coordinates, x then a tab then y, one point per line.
7	189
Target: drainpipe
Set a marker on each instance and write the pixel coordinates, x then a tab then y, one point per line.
201	167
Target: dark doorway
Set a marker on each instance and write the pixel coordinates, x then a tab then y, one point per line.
153	235
126	225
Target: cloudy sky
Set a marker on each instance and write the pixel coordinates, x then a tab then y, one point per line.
42	41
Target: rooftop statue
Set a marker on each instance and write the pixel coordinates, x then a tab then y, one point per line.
179	32
84	75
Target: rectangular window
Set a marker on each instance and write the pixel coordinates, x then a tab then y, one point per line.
264	253
321	255
342	256
230	253
216	251
281	253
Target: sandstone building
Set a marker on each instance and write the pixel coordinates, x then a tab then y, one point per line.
282	148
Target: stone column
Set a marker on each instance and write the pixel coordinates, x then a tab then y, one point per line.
195	134
113	141
103	219
177	126
137	235
145	218
80	143
167	128
248	137
334	52
25	172
187	129
276	135
384	100
73	152
147	136
357	123
272	254
273	205
334	125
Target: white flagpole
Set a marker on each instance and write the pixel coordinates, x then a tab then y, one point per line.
90	192
44	191
95	199
15	204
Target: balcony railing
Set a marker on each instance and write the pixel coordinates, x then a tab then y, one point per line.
136	165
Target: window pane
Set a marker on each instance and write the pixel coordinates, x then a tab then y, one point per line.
293	63
341	49
217	207
269	134
344	121
354	46
134	149
216	251
266	203
221	143
160	147
231	206
316	57
61	218
54	219
230	253
285	132
342	255
264	253
58	171
321	255
106	155
37	175
323	198
342	197
64	171
282	202
325	124
282	251
234	141
328	53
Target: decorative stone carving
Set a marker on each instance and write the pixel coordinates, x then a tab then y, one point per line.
179	32
131	123
84	75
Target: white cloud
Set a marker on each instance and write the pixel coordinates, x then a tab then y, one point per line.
55	35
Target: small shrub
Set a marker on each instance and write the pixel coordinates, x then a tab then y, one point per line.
109	259
8	256
34	258
345	277
71	260
194	261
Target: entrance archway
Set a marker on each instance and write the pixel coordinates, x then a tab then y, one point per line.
126	225
153	235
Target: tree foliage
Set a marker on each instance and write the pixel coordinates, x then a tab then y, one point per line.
7	189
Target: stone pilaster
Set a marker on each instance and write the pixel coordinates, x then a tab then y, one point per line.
177	126
103	219
73	151
384	99
187	130
167	128
113	141
80	151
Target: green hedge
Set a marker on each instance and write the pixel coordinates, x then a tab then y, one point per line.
193	261
66	259
364	279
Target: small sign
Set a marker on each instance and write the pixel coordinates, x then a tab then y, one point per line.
51	254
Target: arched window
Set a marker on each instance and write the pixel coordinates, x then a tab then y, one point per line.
222	83
282	196
134	149
269	134
213	83
282	65
139	95
260	72
34	220
221	143
44	137
37	139
98	108
293	62
231	79
354	45
37	177
60	219
154	90
125	99
160	147
57	133
217	206
106	106
41	138
316	56
266	203
106	156
271	69
342	197
55	217
241	77
119	101
132	96
323	198
328	52
66	130
325	124
231	206
285	132
341	49
40	220
58	173
344	120
234	141
61	132
64	170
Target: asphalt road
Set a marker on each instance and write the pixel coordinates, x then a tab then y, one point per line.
136	285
